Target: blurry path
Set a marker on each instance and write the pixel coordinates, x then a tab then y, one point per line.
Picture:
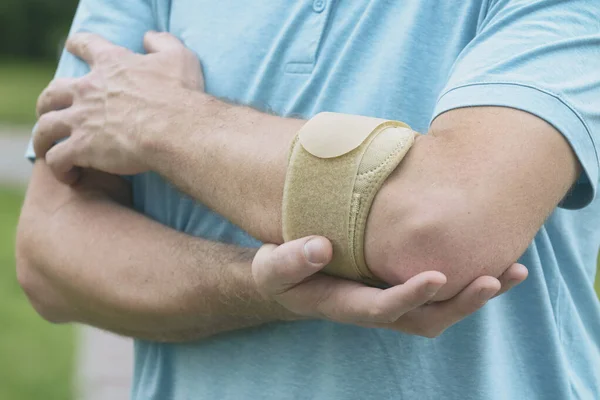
104	361
104	365
14	169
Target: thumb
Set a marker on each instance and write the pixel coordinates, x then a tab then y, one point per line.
277	269
161	41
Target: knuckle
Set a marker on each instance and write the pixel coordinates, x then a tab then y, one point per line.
106	55
321	306
45	123
189	56
378	314
84	44
60	82
85	85
46	94
432	332
182	55
294	259
42	100
77	116
423	326
119	51
81	142
116	53
52	92
80	87
258	274
428	333
260	270
53	163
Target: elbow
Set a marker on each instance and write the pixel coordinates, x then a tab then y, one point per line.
437	245
440	235
34	284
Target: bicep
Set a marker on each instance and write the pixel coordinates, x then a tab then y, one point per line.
501	172
502	157
537	57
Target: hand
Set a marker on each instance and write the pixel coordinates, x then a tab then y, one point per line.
105	113
289	274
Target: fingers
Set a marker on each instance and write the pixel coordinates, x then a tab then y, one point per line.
61	160
469	300
161	41
51	127
514	275
278	268
289	274
352	302
91	47
433	319
57	96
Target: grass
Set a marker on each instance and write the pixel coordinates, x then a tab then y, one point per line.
597	284
21	82
36	358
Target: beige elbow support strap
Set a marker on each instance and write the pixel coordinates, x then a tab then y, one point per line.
337	164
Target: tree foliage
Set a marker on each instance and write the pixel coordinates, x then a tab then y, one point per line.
34	28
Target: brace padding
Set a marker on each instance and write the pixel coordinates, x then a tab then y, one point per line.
337	164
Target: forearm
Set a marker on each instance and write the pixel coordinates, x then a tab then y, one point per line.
94	261
233	160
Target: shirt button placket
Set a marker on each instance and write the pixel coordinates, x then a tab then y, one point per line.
319	5
308	39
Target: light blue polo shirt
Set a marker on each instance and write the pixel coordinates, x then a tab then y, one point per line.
409	60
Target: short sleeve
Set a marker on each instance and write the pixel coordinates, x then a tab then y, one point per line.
121	22
540	57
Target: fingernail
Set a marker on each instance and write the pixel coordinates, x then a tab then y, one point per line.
431	289
486	294
314	251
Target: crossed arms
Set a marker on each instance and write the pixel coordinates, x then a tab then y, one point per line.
457	205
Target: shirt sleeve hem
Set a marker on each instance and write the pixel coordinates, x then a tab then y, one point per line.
30	153
545	105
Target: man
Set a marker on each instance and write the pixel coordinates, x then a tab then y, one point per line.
512	94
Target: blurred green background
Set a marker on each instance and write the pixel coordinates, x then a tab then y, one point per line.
36	358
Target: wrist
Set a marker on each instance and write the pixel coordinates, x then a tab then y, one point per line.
176	129
241	282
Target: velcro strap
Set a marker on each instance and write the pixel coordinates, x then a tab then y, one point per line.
337	164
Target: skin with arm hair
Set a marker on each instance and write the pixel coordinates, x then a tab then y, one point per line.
234	131
84	256
455	184
467	209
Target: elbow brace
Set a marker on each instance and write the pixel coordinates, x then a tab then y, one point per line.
336	166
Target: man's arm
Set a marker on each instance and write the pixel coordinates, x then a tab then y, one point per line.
460	202
84	256
205	302
467	200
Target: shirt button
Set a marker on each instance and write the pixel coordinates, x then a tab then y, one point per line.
318	5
